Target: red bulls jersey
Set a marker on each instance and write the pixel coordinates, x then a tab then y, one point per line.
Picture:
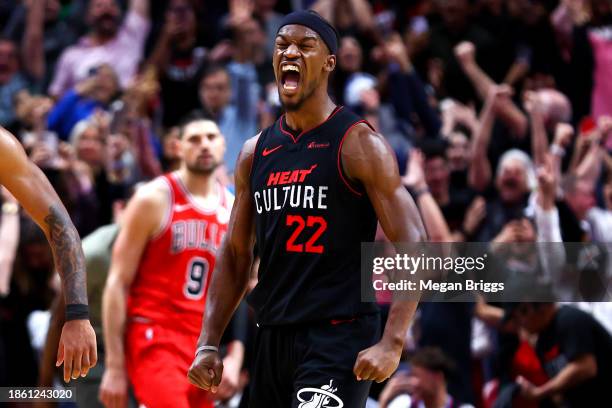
172	280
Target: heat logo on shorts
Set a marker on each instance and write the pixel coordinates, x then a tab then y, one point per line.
310	397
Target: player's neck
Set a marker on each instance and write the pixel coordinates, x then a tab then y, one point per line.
198	185
313	112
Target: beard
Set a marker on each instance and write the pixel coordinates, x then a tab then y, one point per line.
294	106
202	169
106	25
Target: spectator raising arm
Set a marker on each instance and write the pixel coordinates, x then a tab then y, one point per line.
455	113
362	11
506	109
548	224
172	32
32	49
590	166
539	143
325	8
408	92
435	225
480	173
548	228
140	7
564	134
240	11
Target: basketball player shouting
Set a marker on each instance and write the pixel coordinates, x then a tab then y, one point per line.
77	346
309	189
161	265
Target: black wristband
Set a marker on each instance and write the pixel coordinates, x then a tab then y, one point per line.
77	311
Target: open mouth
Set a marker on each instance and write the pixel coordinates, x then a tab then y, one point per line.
290	77
511	184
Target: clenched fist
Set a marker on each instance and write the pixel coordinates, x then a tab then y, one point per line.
465	52
206	371
378	362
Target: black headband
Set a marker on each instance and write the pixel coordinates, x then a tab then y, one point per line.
312	20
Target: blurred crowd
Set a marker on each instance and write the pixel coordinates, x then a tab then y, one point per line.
499	112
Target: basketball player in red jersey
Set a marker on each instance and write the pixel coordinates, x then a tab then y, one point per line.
310	189
160	271
77	347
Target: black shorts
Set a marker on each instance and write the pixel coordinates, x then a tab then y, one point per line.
297	364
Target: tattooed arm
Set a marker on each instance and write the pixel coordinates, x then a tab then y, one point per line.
32	189
67	253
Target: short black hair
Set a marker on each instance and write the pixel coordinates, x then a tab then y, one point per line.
433	148
194	116
214	69
434	359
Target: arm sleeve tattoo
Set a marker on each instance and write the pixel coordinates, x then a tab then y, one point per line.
68	254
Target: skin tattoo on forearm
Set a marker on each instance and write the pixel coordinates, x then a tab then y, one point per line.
68	254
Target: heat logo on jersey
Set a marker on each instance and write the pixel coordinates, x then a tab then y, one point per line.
289	177
319	397
294	192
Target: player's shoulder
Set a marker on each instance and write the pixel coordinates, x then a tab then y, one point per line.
245	158
8	142
365	154
361	137
14	160
249	146
154	193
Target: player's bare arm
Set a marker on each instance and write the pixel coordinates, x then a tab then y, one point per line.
32	189
142	219
367	158
230	280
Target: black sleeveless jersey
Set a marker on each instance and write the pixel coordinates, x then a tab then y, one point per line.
310	222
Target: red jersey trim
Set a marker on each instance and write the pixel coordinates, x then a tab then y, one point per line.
188	197
254	155
167	220
282	129
295	139
340	170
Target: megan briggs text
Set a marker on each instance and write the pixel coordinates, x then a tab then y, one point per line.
430	285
